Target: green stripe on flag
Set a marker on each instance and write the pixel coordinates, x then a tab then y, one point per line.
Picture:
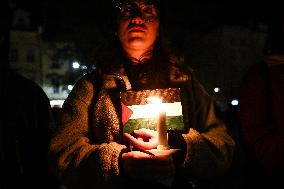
173	123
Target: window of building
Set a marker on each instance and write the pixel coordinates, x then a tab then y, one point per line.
55	64
30	55
55	85
13	55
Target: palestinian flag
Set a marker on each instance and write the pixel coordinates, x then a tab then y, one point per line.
140	111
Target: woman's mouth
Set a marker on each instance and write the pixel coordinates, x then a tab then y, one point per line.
137	29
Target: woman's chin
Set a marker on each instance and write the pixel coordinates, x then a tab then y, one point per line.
137	43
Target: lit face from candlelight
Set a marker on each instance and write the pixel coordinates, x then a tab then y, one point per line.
138	25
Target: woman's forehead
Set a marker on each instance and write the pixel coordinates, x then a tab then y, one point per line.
139	1
120	3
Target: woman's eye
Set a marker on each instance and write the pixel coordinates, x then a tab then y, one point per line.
147	9
126	10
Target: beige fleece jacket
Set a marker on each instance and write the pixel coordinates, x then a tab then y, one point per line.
85	148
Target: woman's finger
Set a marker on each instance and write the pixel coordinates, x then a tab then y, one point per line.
145	133
139	143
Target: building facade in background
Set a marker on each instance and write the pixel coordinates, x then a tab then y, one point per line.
48	63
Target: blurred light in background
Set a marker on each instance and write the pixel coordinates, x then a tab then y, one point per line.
216	89
235	102
70	87
84	67
75	65
56	103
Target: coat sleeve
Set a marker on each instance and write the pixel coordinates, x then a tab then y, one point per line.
209	147
77	161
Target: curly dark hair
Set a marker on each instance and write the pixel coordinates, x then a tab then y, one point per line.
109	55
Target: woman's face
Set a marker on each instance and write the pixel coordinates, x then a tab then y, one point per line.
138	25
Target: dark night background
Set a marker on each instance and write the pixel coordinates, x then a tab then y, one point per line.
61	16
87	20
79	20
85	24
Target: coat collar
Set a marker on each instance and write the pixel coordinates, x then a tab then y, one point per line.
111	80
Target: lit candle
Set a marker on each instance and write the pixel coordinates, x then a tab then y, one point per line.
162	131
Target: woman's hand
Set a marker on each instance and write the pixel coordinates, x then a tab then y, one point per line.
140	165
146	139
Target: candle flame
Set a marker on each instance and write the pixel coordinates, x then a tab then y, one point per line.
154	100
155	105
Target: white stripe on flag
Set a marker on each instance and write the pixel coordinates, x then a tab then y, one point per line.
151	110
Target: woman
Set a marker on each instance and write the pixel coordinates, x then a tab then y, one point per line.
89	148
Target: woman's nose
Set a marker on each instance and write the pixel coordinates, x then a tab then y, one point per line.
137	20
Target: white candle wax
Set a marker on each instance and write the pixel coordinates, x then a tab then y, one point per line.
162	131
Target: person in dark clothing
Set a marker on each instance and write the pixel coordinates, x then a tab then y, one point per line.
25	125
25	133
261	114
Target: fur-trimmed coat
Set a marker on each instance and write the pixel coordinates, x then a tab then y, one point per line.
85	149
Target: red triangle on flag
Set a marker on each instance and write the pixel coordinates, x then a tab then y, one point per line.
126	113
